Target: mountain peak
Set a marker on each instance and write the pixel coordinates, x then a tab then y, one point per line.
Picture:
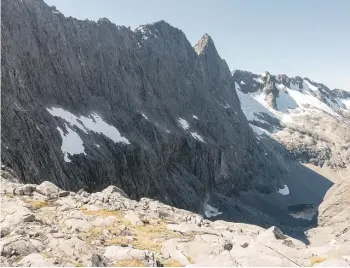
205	44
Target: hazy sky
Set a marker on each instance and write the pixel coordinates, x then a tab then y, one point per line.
296	37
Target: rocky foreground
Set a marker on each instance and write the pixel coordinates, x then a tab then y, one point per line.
42	225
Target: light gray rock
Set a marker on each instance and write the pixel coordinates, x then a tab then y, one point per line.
13	212
117	253
74	247
47	188
113	189
35	260
104	221
133	218
3	262
332	263
17	246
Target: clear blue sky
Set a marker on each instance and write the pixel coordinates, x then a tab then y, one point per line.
296	37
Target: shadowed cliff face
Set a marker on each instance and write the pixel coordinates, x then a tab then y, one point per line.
71	89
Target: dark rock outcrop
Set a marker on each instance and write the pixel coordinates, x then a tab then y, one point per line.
177	115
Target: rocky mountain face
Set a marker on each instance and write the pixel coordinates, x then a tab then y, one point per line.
88	104
43	225
306	117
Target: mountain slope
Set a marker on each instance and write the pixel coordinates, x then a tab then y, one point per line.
88	104
308	118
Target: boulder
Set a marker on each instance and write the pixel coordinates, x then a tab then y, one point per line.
74	247
35	260
63	193
133	218
97	261
277	233
117	253
3	262
48	189
28	189
18	191
13	213
4	231
18	246
104	221
113	189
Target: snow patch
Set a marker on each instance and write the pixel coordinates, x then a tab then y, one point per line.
92	123
197	136
306	100
284	190
307	84
253	104
306	215
144	116
71	143
184	124
258	80
258	130
346	102
284	100
211	211
226	106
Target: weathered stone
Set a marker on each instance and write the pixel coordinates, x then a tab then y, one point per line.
97	261
228	246
21	247
63	193
133	218
47	188
104	222
113	189
275	232
245	245
28	189
4	231
115	253
18	191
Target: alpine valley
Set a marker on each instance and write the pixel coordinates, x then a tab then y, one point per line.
132	147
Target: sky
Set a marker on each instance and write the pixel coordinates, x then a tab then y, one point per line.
309	38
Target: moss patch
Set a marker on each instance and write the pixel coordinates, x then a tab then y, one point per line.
148	237
37	203
130	263
189	258
317	259
173	263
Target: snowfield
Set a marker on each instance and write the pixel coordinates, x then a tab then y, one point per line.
71	143
184	124
92	123
284	190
